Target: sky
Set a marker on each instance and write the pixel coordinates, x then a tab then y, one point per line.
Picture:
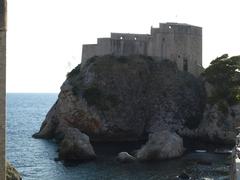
45	37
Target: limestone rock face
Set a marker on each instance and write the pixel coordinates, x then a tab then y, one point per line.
236	113
125	157
76	146
218	123
12	173
161	145
125	98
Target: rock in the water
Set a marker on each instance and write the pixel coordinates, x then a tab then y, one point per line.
161	145
125	157
76	146
12	173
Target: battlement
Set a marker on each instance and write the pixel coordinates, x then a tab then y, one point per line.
179	42
128	36
177	28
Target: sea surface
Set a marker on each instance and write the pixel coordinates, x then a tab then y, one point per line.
34	158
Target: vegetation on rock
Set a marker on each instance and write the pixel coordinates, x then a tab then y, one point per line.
224	74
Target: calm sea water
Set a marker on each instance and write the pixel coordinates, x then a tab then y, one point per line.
34	158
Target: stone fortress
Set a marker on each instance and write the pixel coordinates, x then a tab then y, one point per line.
178	42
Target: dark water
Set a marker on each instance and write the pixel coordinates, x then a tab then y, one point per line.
34	158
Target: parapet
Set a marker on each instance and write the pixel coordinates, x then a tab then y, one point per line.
128	36
180	28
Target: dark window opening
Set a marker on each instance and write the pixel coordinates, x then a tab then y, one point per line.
179	56
185	65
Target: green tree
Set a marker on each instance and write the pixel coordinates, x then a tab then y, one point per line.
224	74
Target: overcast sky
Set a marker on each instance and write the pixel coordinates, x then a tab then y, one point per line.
45	37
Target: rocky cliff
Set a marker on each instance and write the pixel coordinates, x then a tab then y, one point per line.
126	98
121	99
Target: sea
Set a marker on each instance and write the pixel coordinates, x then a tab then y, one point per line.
35	158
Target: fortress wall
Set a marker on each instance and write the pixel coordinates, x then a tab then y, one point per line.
181	43
104	46
88	51
196	52
116	47
128	36
155	30
128	47
2	102
3	18
162	45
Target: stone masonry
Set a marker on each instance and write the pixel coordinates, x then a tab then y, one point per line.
181	43
2	87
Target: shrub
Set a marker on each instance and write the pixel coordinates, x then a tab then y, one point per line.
224	74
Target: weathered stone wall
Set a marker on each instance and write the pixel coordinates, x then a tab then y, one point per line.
128	47
117	46
178	43
2	86
181	43
89	50
128	36
2	102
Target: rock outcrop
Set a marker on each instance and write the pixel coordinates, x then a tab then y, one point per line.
124	157
161	145
125	98
12	173
218	124
75	146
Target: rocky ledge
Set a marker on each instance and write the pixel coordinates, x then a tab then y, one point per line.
12	173
114	99
161	145
75	146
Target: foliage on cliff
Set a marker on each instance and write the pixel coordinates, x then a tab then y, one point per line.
224	74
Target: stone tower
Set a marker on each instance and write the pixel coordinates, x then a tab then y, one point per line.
181	43
2	86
